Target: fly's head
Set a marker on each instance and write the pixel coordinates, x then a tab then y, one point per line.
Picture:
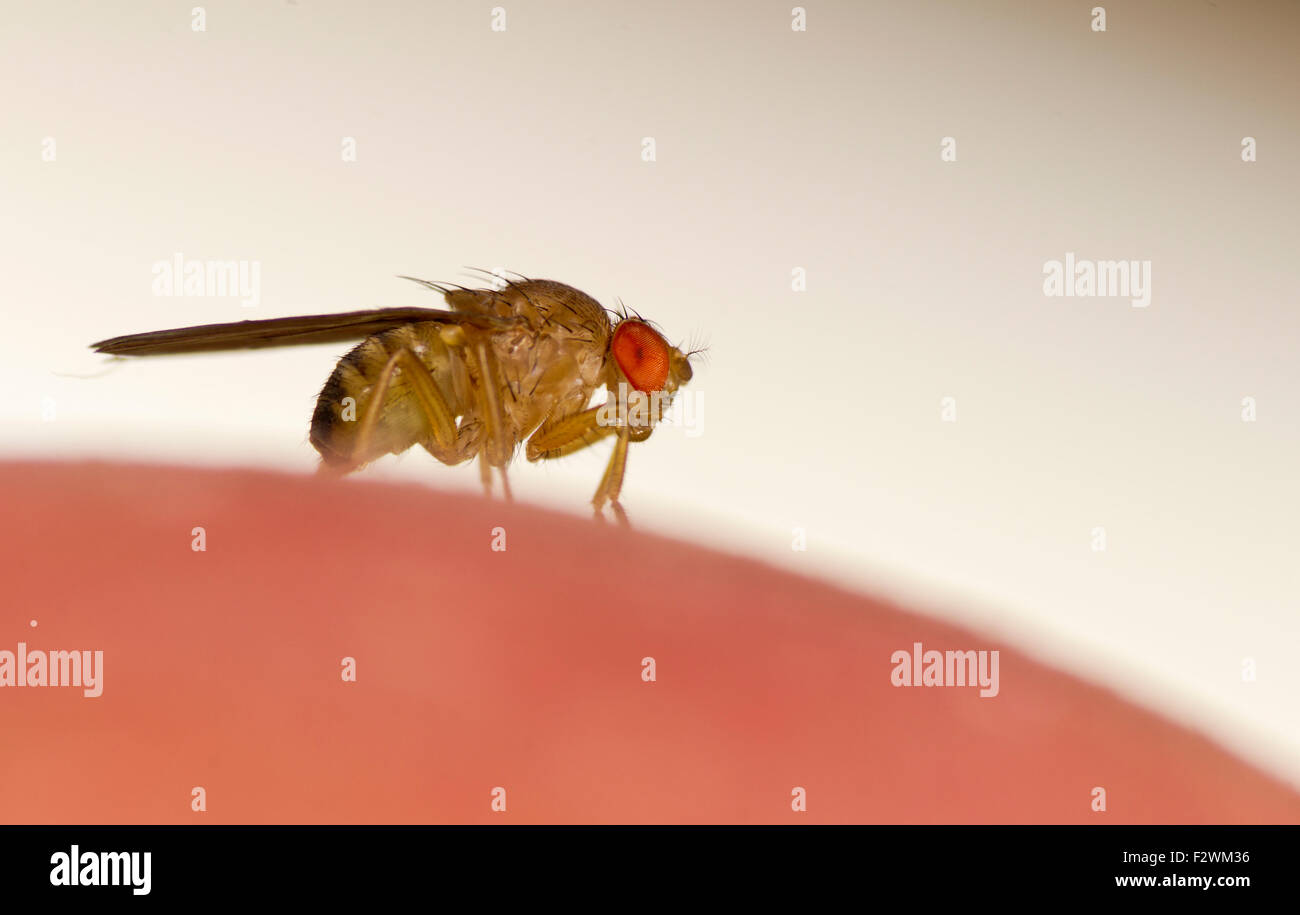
644	372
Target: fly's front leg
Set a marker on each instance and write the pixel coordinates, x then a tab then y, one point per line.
560	436
611	484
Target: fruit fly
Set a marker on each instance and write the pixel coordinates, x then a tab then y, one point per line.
502	367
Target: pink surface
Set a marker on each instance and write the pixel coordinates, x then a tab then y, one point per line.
519	669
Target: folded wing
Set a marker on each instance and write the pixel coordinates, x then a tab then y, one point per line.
296	331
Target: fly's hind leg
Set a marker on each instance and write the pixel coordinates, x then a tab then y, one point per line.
433	406
469	443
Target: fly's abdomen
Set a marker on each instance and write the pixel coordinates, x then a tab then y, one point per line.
401	422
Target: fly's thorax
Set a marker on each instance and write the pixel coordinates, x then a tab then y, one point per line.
571	310
555	356
542	369
546	307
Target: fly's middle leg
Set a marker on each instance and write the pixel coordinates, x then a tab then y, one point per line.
497	443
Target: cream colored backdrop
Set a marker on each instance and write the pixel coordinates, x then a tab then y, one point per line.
775	149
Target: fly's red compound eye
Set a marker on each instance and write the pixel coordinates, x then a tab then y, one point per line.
642	355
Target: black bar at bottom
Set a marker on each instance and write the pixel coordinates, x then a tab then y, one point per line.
379	862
